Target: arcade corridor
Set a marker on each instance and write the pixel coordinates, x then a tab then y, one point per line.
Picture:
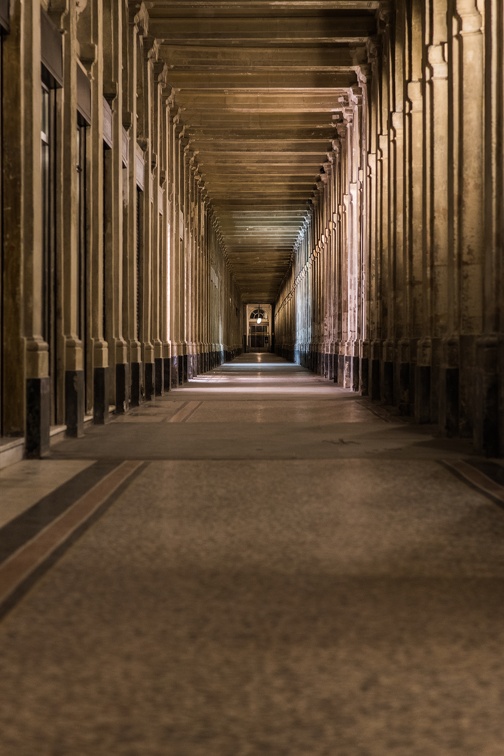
272	565
251	377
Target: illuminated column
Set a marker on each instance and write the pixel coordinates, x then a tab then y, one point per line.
115	21
157	203
489	434
145	141
415	204
478	383
374	223
165	250
97	311
69	381
173	119
398	325
26	400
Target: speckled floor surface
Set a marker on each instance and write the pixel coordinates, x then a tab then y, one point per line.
296	594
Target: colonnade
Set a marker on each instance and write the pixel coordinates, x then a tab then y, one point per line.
115	285
396	285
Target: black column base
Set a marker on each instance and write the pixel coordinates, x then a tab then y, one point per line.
190	366
174	372
403	388
488	404
423	394
354	373
166	374
387	383
158	376
74	403
122	387
340	375
364	376
38	416
101	395
375	380
449	401
135	383
149	380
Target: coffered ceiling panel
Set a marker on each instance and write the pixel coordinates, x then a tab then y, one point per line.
260	87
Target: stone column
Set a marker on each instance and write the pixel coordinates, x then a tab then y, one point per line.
479	379
145	142
92	22
374	223
159	70
27	395
490	437
136	179
70	379
165	266
114	19
415	211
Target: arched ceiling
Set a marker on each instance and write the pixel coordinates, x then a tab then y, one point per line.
261	86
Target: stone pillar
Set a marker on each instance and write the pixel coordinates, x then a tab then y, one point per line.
114	21
158	221
145	140
415	209
27	395
136	179
489	426
479	350
69	382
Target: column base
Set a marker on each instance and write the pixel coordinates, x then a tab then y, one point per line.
135	369
148	380
174	371
375	379
387	382
340	376
38	416
166	374
403	388
364	376
423	394
101	395
122	387
158	376
74	403
487	406
449	401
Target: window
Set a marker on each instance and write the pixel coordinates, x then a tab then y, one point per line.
258	313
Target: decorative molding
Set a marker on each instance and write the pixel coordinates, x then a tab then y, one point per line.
437	56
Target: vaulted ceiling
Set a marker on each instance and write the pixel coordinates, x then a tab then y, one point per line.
261	86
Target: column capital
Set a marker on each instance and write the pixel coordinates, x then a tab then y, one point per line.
469	16
139	16
437	56
414	94
150	48
161	72
383	14
58	9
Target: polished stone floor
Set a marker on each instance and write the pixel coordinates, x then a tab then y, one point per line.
256	563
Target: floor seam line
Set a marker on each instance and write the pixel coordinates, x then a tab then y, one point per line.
18	571
476	480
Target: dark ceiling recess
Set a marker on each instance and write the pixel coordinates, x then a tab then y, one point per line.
261	87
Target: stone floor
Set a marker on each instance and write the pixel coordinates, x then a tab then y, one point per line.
256	563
